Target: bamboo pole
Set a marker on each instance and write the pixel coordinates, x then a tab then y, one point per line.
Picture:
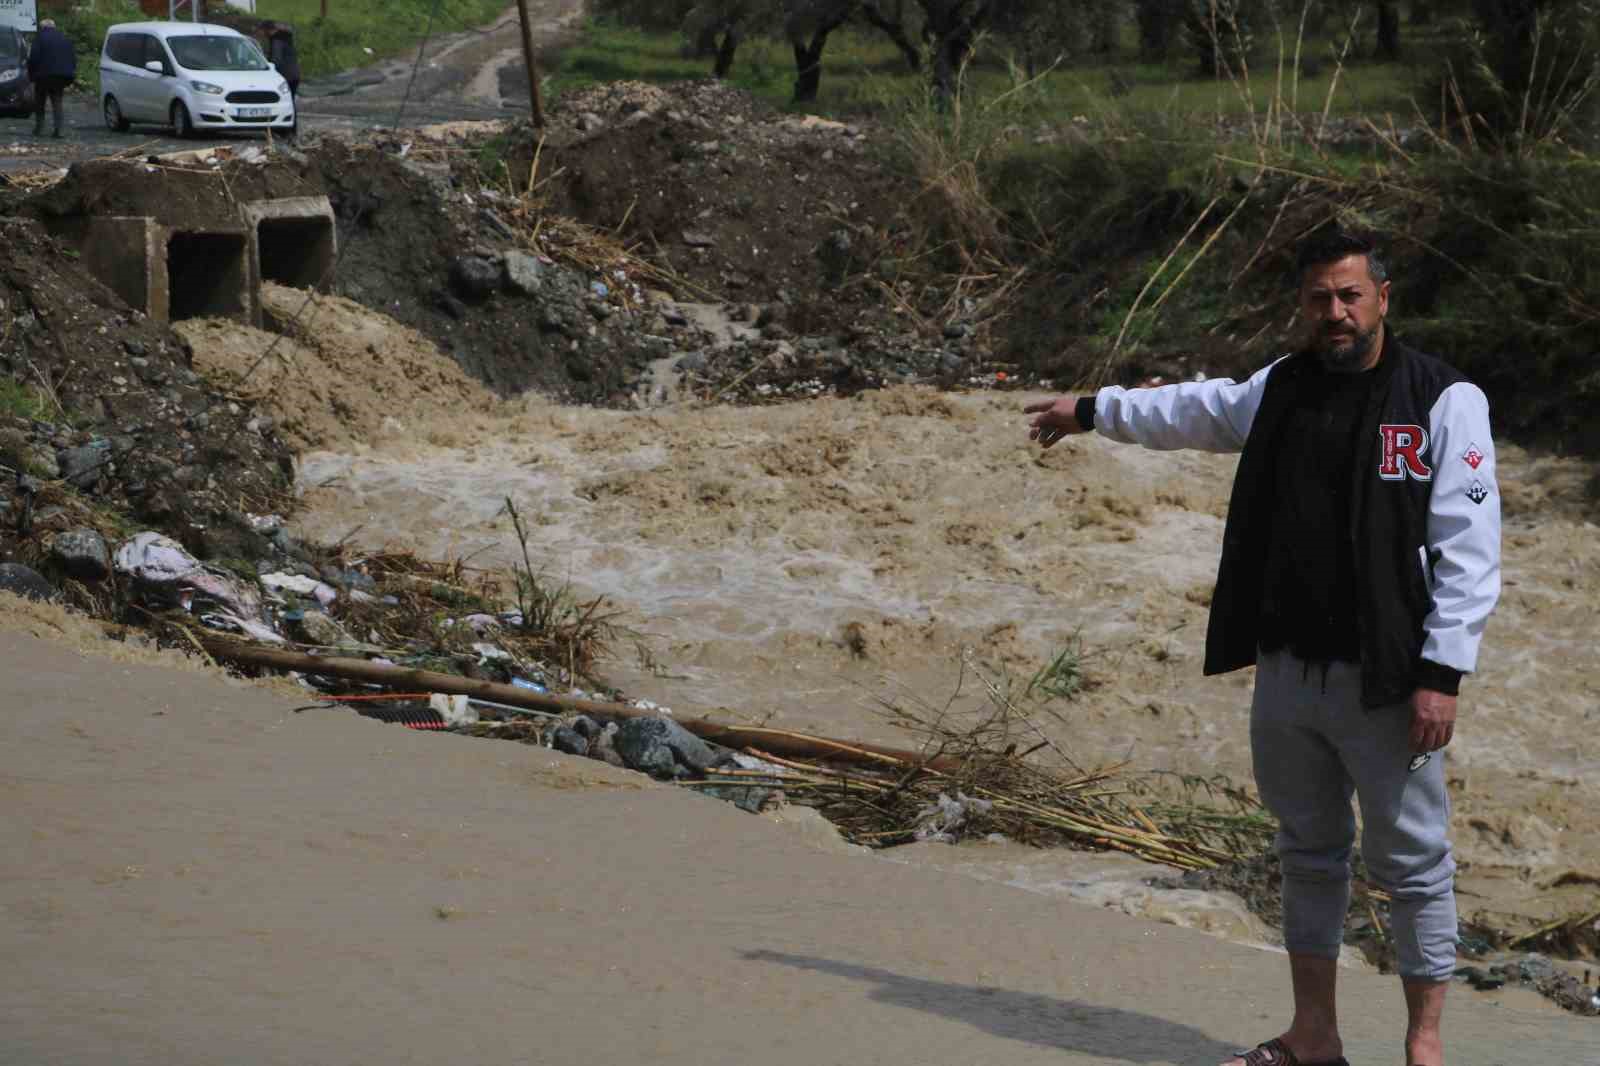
406	679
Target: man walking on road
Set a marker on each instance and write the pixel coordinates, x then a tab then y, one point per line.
1360	561
281	53
52	67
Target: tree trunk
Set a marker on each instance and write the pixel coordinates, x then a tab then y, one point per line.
894	27
950	54
807	70
1157	22
705	42
725	50
1105	29
953	30
1388	30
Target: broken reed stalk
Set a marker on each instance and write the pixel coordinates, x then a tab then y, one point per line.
1338	68
1551	927
1128	318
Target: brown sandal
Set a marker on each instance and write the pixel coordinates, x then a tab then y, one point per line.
1276	1053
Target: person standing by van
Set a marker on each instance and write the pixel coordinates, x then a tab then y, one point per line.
281	54
52	66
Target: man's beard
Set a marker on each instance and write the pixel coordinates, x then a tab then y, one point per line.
1347	356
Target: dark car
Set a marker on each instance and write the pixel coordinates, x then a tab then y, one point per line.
16	91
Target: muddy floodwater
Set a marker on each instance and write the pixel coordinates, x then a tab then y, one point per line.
796	564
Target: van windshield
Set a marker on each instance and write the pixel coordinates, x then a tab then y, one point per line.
10	50
197	52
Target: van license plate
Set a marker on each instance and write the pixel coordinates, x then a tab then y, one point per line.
253	112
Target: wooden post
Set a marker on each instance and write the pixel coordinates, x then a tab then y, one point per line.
535	97
324	10
779	742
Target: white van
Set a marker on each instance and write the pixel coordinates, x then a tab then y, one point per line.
192	76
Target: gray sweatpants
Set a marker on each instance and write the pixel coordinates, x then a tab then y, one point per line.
1313	746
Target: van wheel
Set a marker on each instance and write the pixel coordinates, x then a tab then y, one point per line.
182	124
115	120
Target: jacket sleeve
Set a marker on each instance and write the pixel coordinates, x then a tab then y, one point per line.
1463	528
1213	416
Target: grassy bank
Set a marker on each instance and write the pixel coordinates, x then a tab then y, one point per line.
862	72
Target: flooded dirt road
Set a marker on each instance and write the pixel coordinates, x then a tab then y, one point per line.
795	564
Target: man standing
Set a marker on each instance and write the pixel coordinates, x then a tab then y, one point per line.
281	54
1360	561
52	67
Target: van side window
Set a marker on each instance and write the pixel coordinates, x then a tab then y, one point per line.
153	50
124	48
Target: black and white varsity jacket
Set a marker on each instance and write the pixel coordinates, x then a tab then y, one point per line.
1425	511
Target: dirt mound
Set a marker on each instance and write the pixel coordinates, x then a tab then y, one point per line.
416	246
101	398
344	376
185	195
738	199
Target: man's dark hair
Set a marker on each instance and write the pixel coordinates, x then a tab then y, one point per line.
1331	245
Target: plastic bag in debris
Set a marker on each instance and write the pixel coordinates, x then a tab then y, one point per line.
161	569
942	820
322	592
232	623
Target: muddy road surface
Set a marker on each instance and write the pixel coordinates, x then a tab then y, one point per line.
473	74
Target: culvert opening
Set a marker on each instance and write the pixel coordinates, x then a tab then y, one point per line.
295	251
206	275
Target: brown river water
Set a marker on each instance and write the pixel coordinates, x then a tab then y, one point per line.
796	564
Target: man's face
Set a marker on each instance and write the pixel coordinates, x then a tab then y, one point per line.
1344	310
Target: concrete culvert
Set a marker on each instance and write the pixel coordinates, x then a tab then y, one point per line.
295	251
292	240
206	275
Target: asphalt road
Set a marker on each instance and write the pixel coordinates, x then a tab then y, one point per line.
460	77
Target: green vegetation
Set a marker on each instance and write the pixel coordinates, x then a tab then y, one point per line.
359	32
21	401
86	25
863	71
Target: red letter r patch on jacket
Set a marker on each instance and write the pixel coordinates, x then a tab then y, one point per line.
1402	453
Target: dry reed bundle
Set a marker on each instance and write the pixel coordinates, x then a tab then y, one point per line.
1005	775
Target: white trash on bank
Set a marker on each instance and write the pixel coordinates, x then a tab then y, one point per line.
455	710
160	568
321	591
943	820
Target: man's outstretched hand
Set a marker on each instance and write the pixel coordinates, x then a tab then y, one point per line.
1053	419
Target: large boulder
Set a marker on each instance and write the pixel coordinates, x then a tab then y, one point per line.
29	584
82	467
82	554
662	748
524	273
473	277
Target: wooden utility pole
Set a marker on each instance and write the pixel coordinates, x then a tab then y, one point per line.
535	97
